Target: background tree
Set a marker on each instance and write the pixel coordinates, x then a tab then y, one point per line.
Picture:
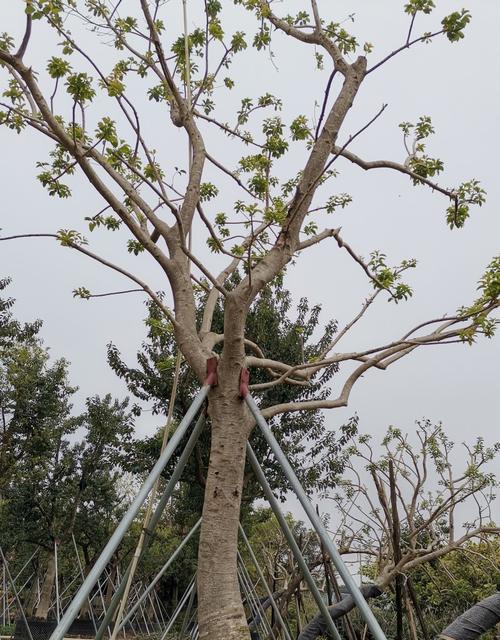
402	512
11	330
52	483
273	218
450	586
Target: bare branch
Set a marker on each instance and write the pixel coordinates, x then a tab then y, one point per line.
27	34
144	287
325	102
396	166
230	173
114	293
316	37
367	303
409	43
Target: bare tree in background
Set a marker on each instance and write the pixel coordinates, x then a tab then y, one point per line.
404	509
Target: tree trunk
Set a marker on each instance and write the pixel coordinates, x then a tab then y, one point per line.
410	617
475	621
317	627
33	597
111	586
43	607
220	609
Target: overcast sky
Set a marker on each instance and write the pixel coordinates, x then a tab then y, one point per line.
456	84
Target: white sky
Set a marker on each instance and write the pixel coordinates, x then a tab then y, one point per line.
456	84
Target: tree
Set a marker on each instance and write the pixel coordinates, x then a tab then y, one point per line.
12	333
448	588
11	330
401	510
273	219
52	487
35	406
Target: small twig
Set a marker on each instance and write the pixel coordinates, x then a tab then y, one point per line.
325	101
27	34
228	172
407	45
396	166
104	262
114	293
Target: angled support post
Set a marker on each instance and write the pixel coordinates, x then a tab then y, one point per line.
82	575
148	590
256	610
315	520
187	613
16	594
27	563
174	479
313	587
266	586
180	606
58	604
130	515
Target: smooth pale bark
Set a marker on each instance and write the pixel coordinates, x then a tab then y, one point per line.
43	607
220	609
477	620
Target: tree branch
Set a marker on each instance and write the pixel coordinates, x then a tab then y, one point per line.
27	34
144	287
388	164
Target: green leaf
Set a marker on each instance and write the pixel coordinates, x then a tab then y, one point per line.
81	292
238	42
415	6
79	87
208	191
300	128
455	23
135	247
69	237
58	67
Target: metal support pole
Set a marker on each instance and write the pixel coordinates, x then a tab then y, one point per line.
179	607
313	587
28	579
160	574
187	614
266	586
255	618
80	568
159	606
152	606
174	478
16	595
26	563
144	619
335	556
193	623
58	609
129	517
258	614
4	594
64	591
